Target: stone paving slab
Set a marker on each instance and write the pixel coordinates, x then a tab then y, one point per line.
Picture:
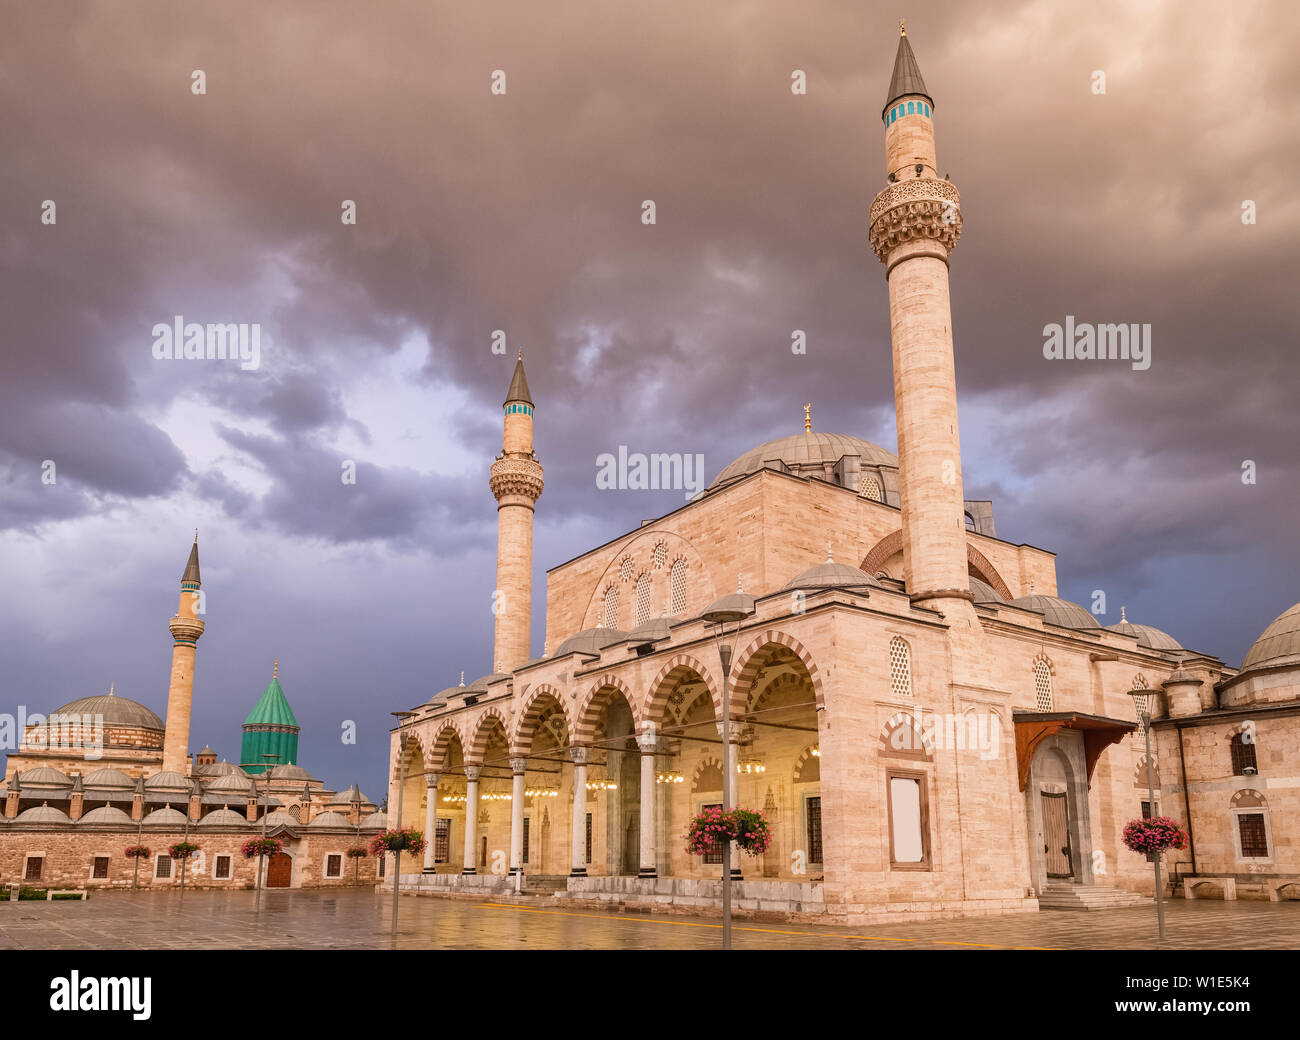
359	920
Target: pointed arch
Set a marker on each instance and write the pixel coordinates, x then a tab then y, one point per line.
584	729
751	659
670	676
977	564
521	743
441	744
901	737
483	733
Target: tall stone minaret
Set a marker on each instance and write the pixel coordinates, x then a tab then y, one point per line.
186	627
915	223
516	481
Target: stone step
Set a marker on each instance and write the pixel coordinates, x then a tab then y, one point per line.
543	884
1087	897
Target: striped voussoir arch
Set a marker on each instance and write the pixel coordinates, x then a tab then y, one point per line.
529	719
753	657
584	728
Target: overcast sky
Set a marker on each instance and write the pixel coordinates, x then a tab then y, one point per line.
522	212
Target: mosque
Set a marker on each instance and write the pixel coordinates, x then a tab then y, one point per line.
104	773
931	730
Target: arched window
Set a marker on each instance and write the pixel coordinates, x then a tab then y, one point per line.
611	607
677	588
900	667
661	555
643	599
1243	756
1253	837
1043	686
869	487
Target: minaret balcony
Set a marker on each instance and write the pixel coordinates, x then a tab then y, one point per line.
921	208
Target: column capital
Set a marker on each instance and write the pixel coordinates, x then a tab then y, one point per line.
579	755
431	780
472	773
518	765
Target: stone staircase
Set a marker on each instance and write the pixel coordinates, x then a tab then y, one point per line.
1087	897
544	884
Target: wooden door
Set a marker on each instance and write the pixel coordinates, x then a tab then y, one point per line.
279	870
1056	836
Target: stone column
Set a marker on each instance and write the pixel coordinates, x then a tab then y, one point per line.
471	819
578	839
732	780
430	818
517	766
648	868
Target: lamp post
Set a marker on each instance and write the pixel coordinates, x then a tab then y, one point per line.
401	717
139	837
1142	701
266	771
356	811
186	839
733	608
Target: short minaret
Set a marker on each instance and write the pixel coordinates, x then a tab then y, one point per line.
516	481
915	223
186	627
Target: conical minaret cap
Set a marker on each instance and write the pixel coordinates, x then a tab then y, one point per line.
907	79
192	566
518	384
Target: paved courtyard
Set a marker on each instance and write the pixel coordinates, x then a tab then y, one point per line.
359	919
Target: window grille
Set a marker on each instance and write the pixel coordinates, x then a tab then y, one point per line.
643	599
900	667
1043	686
677	588
611	607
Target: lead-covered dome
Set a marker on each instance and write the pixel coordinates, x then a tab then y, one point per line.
831	576
1279	644
116	711
1057	611
590	641
807	455
1148	636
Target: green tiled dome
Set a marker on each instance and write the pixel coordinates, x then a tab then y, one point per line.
270	729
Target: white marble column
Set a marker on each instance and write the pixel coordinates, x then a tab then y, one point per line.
578	838
647	807
732	780
430	818
471	820
517	766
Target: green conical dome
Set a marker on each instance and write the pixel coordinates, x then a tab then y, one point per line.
270	729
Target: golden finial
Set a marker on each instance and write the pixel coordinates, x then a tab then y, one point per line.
196	536
275	672
902	29
521	355
807	418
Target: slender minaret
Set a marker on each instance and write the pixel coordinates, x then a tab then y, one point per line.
915	222
186	627
516	481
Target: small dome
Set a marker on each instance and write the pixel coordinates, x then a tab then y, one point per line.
233	783
348	796
484	681
116	711
207	750
442	696
374	822
281	819
831	576
289	771
107	777
166	817
42	814
224	768
1148	637
44	776
653	631
1279	644
106	816
590	641
331	819
224	818
984	592
1057	611
169	780
1181	675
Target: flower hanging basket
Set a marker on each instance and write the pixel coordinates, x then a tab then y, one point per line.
182	850
1154	834
136	852
710	829
403	839
357	852
261	847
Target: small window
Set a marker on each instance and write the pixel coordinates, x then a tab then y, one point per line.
221	870
1254	836
99	867
442	841
162	867
611	607
523	856
813	821
588	837
1043	686
33	871
900	667
643	599
714	856
333	865
909	845
1243	755
381	860
677	588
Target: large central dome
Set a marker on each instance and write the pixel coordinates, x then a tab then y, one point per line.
807	455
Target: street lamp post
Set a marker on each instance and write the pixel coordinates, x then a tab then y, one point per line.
266	771
1142	700
139	838
356	860
401	717
733	608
